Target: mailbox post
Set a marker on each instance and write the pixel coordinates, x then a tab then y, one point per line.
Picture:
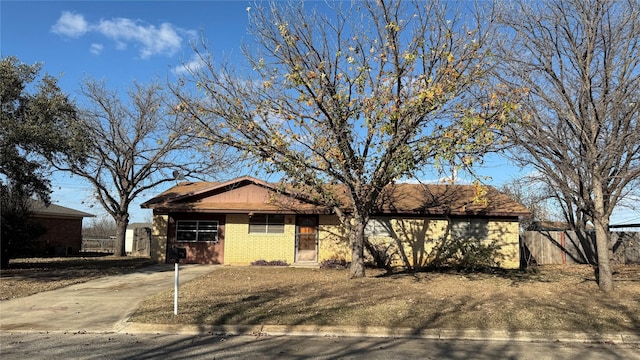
176	253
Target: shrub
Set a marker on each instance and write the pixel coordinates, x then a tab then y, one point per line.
334	264
262	262
467	254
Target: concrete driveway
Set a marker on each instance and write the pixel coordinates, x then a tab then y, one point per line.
98	305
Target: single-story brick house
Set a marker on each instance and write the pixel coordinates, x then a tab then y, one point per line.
63	229
247	219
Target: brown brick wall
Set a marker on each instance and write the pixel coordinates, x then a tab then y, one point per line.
61	235
198	252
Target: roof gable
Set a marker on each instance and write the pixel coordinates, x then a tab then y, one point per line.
245	194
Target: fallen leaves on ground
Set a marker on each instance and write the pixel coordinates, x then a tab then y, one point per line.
562	298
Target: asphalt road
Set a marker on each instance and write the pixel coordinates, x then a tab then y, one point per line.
47	346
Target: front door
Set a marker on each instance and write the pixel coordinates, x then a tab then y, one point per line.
307	239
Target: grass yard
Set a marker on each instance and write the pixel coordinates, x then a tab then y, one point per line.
554	299
29	276
558	298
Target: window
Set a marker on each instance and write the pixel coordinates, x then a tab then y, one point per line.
266	224
197	230
467	229
378	227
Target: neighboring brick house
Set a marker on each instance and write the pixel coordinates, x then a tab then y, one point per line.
63	229
247	219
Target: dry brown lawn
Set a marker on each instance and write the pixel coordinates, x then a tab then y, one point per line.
560	298
29	276
551	299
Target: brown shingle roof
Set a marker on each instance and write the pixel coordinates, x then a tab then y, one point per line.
179	191
438	199
39	209
409	199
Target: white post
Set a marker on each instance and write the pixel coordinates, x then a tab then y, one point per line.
175	291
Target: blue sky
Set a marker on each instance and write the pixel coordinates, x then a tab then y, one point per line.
119	41
123	41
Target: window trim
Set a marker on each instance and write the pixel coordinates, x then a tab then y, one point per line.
376	228
198	231
467	228
268	222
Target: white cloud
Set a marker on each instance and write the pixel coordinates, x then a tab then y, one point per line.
193	65
96	49
71	25
149	39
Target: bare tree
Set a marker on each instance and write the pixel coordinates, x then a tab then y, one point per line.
580	61
136	146
101	227
359	96
536	196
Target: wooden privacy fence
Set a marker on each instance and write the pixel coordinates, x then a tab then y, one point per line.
566	247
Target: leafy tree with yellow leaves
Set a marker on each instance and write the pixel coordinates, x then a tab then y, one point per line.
359	95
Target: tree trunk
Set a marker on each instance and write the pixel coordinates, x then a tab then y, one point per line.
601	222
605	273
122	222
4	257
356	238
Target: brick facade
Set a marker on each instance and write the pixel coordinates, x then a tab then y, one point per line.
62	237
413	241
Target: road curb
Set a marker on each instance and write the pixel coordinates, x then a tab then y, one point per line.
372	331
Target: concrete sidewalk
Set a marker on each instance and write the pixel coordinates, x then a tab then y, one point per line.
101	305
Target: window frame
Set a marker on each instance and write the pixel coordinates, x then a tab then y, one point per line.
198	230
269	223
376	228
467	228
